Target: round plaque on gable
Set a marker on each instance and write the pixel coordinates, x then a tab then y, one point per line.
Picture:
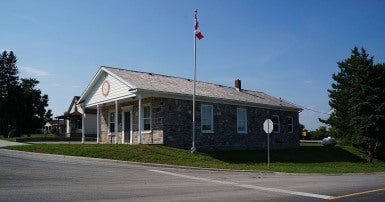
105	88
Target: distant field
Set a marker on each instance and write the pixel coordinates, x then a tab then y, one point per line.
308	158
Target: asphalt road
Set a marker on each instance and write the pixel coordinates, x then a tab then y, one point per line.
40	177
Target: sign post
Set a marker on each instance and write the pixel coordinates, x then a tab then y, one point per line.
268	128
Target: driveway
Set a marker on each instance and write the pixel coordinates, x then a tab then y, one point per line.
4	143
44	177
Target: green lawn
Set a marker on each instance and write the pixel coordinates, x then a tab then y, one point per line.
306	159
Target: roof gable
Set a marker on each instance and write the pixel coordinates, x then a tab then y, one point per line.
72	106
117	88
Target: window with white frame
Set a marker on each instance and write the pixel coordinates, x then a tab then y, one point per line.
241	120
289	124
207	123
112	122
276	128
146	119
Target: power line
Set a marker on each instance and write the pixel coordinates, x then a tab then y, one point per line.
306	108
319	112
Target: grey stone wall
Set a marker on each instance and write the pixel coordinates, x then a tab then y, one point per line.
177	127
171	121
103	125
177	123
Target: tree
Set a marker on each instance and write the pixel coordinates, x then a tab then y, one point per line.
9	82
319	133
358	101
368	111
22	104
8	74
31	111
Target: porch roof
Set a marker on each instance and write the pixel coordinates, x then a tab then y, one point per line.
69	115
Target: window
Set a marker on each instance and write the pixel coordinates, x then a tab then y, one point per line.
289	124
207	119
112	122
76	123
146	120
276	124
241	120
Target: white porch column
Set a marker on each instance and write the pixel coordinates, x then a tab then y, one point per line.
97	124
83	125
116	122
131	129
140	120
123	129
68	126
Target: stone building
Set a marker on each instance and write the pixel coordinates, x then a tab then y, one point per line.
145	108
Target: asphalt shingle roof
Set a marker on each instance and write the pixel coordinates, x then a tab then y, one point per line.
177	85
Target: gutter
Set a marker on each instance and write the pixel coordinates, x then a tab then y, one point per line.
172	95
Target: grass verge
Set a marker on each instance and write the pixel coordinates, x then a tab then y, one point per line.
305	159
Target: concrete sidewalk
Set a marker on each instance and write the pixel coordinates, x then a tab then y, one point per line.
4	143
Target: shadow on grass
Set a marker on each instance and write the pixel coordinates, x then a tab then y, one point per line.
303	154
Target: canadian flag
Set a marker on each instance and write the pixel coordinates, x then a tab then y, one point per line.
197	31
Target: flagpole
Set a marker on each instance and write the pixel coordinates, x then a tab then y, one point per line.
195	75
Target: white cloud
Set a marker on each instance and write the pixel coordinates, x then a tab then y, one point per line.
35	72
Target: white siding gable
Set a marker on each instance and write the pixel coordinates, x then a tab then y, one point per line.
74	108
117	90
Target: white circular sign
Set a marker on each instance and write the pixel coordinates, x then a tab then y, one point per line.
105	88
268	126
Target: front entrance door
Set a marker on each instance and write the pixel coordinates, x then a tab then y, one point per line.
127	127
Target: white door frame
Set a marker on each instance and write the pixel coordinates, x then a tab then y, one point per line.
126	109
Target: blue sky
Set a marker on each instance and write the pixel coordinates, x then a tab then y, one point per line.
288	49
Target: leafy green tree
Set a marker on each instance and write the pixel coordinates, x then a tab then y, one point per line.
319	133
48	115
31	111
22	104
358	101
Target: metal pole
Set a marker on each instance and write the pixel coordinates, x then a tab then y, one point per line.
268	146
195	75
140	119
268	150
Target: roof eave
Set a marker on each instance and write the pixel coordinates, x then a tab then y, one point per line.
173	95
